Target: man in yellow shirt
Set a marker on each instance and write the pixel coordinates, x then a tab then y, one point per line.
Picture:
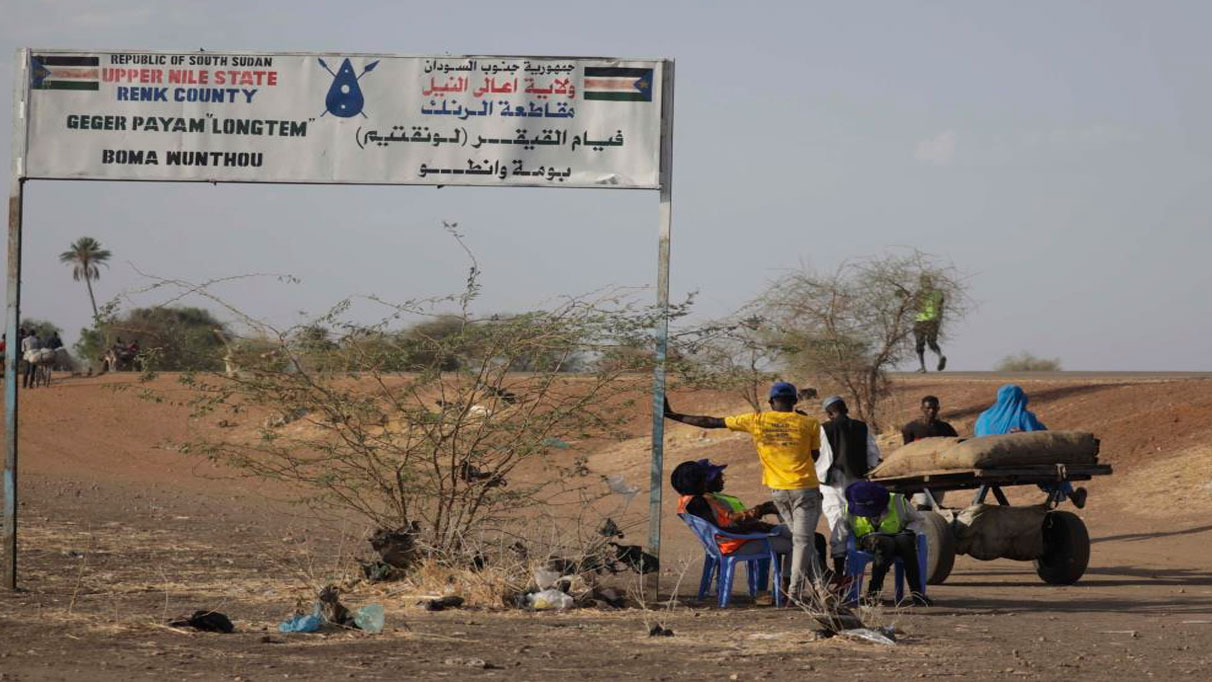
788	444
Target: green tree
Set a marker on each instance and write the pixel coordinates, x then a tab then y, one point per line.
43	328
84	255
173	338
1026	362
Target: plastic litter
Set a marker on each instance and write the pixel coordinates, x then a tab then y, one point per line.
545	579
310	622
549	599
369	618
618	485
881	636
556	443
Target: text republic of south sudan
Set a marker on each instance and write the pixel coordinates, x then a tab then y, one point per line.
323	118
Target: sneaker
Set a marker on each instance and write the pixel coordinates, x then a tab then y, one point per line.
921	370
942	362
917	599
765	599
1078	497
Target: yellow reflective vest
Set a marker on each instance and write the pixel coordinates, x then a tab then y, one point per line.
891	522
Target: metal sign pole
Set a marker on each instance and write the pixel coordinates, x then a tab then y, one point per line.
657	478
13	351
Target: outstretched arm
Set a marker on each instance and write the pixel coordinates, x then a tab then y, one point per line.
701	422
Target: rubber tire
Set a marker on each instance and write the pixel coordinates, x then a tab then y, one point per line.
1066	549
940	542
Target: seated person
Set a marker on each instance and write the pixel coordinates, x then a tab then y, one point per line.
690	479
715	488
880	525
1010	415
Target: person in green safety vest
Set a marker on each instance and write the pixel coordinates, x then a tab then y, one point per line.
880	523
927	323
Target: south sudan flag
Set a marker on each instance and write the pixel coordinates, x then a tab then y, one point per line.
618	84
50	72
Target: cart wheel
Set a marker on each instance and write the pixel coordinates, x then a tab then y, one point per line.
1066	549
940	542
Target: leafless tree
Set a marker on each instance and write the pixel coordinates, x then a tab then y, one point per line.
854	324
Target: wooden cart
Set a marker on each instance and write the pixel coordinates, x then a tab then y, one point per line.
1066	543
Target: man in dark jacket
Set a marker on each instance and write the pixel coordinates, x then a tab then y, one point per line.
928	425
848	452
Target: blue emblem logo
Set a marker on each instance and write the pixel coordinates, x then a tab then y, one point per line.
344	98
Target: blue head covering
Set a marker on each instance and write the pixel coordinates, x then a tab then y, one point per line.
866	498
1008	414
782	389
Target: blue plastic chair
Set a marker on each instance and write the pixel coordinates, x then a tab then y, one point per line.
856	565
757	565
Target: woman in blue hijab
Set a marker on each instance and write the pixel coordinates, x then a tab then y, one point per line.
1010	415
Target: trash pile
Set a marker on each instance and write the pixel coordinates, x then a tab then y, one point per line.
328	610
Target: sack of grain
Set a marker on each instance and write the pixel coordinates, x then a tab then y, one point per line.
917	457
987	532
1022	449
1009	450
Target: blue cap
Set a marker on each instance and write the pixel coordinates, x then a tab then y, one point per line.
783	389
711	471
865	498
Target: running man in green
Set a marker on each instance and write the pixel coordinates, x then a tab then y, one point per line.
926	326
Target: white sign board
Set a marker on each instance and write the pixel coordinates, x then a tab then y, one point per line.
331	118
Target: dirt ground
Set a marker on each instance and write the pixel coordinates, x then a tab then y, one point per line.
120	533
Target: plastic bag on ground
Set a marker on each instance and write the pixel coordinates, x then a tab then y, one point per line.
881	636
545	579
369	618
310	622
549	599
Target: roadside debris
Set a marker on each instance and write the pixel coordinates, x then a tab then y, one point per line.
885	636
618	485
549	599
206	621
658	631
334	611
449	602
304	622
370	619
397	548
329	609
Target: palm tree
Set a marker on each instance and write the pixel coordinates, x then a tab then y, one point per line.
84	256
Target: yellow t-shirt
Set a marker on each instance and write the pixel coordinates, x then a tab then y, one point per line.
784	442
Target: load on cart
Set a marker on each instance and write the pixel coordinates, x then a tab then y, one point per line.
1056	540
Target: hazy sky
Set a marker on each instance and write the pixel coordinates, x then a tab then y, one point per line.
1058	152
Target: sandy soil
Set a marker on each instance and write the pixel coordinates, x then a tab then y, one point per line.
120	533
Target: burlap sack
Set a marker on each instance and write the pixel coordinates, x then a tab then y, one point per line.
986	531
1022	449
916	457
991	452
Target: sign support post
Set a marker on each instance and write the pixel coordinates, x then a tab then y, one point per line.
12	358
665	213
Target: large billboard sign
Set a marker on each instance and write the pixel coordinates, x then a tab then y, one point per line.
332	118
